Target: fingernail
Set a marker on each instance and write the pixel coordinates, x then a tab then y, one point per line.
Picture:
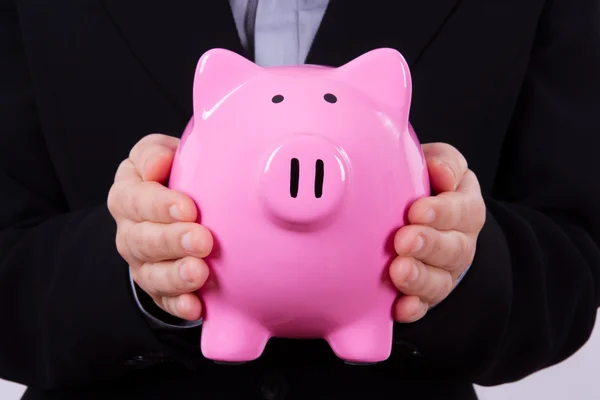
175	212
180	306
184	273
414	317
187	242
419	244
414	273
444	164
451	171
429	215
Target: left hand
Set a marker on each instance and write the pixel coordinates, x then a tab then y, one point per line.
438	243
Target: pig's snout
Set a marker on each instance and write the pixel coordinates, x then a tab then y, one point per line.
304	179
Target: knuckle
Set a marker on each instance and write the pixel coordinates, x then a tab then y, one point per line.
479	212
157	203
114	199
169	305
121	170
136	150
433	244
163	242
141	155
147	275
121	245
463	249
137	243
161	151
470	254
155	209
445	287
449	210
111	201
121	167
439	287
146	201
457	158
462	162
143	143
134	199
452	256
152	138
461	210
462	256
160	240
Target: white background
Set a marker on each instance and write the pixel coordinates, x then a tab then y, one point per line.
576	378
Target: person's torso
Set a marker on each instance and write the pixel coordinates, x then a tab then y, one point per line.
106	73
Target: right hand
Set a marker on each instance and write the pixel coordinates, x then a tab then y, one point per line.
156	229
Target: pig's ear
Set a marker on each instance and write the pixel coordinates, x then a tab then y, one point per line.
219	73
383	75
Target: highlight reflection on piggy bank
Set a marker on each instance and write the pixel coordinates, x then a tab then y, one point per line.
303	174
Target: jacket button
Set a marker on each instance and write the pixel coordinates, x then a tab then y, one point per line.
274	387
145	361
405	348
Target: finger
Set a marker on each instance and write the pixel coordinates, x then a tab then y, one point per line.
185	306
414	278
462	210
153	155
150	201
409	309
116	195
171	278
152	242
127	172
446	166
451	250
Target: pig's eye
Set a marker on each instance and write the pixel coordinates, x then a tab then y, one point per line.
277	99
330	98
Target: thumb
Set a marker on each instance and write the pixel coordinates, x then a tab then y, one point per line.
446	166
153	155
158	167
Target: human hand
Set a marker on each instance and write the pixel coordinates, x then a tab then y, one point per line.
439	242
156	230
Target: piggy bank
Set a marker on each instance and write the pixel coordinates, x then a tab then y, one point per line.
303	174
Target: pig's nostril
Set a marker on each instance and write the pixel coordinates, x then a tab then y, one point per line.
319	177
294	177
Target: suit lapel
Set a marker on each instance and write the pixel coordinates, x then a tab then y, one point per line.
168	38
353	27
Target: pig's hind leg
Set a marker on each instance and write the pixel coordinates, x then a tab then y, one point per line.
230	337
367	341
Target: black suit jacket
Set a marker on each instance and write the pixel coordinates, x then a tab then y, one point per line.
514	85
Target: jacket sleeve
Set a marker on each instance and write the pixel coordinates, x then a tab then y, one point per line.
67	312
530	298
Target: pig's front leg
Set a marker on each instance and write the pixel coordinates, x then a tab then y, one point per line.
365	341
231	337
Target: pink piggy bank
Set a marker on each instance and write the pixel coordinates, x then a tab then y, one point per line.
303	174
